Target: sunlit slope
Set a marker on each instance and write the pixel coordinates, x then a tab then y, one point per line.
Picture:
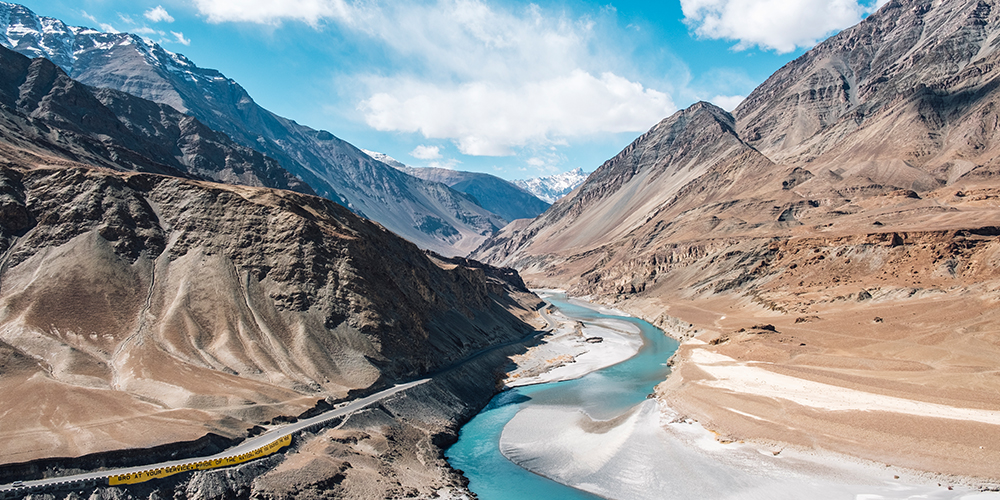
841	228
139	310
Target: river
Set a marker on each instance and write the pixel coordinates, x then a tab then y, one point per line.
639	456
602	394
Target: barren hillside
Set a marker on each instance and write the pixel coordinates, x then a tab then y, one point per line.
851	203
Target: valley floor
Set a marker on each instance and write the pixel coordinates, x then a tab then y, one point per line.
910	383
566	353
730	425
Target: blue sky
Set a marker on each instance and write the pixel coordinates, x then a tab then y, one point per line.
516	89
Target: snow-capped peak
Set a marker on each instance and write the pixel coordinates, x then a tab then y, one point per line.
39	36
384	158
553	187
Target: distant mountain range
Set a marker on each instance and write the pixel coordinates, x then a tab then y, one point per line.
429	214
53	117
553	187
490	192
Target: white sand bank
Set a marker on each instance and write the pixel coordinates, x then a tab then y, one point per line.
642	454
747	378
566	354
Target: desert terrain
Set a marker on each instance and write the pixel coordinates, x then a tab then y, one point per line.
828	251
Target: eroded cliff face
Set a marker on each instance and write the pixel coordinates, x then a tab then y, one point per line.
140	309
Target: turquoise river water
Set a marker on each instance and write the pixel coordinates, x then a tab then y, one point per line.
603	394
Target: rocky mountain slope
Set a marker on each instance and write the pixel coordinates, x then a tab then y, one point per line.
46	111
849	205
141	309
552	187
427	213
490	192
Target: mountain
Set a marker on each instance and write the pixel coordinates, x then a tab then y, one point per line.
838	229
429	214
384	158
148	313
140	310
489	191
492	193
551	188
145	311
45	111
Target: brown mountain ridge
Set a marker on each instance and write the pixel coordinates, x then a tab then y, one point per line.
852	202
143	304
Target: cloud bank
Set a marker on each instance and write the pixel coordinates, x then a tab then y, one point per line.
426	152
490	79
271	12
779	25
158	14
488	119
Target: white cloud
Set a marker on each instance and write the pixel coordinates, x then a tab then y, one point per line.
727	102
107	28
491	79
779	25
179	38
426	152
545	162
487	119
147	31
271	12
158	14
448	164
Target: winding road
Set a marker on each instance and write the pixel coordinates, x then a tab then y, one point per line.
246	446
257	442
